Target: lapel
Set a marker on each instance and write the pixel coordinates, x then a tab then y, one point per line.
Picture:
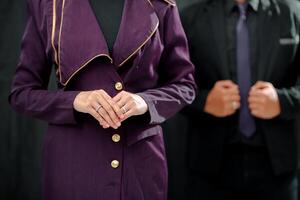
139	23
267	38
80	39
217	22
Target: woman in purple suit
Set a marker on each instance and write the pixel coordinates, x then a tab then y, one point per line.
122	68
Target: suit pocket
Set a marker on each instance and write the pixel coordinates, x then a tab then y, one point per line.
287	48
289	41
138	135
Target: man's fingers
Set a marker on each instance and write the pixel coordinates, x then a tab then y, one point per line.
261	85
235	105
235	98
254	106
257	93
254	99
255	113
226	84
231	91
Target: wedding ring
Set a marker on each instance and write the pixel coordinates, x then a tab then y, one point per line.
98	108
234	105
124	110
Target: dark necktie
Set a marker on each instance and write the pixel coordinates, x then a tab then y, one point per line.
246	121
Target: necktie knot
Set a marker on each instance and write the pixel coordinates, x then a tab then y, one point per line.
243	10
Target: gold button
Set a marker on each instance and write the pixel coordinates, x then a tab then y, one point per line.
115	164
116	138
118	86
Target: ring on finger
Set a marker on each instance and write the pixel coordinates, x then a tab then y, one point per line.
98	108
124	110
234	105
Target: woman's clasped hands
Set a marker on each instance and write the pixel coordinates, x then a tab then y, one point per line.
110	111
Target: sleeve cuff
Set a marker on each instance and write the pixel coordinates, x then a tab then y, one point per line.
68	114
286	110
155	118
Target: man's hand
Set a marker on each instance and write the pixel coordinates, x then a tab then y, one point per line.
263	101
223	100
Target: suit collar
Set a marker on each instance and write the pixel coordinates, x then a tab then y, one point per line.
269	24
230	5
80	40
217	22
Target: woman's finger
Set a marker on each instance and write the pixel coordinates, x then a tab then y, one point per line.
129	110
98	117
125	99
107	112
112	103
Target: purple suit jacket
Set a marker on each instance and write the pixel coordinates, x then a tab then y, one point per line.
150	57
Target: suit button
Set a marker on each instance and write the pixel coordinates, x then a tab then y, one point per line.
116	138
115	164
119	86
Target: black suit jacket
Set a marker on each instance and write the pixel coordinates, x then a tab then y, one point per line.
277	61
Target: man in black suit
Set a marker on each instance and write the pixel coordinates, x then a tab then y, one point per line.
243	135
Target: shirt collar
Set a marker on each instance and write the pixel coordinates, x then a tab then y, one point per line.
231	5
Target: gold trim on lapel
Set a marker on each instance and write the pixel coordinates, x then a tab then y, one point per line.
150	3
85	64
149	37
79	39
59	38
66	69
144	22
53	31
172	3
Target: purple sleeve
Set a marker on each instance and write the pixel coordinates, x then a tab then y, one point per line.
29	94
177	71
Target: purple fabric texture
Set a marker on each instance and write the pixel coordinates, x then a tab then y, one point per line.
150	57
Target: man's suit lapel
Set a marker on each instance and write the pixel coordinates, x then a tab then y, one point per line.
268	29
217	22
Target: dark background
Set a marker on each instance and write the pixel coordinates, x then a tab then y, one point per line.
21	138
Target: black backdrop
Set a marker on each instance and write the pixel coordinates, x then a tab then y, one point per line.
20	137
